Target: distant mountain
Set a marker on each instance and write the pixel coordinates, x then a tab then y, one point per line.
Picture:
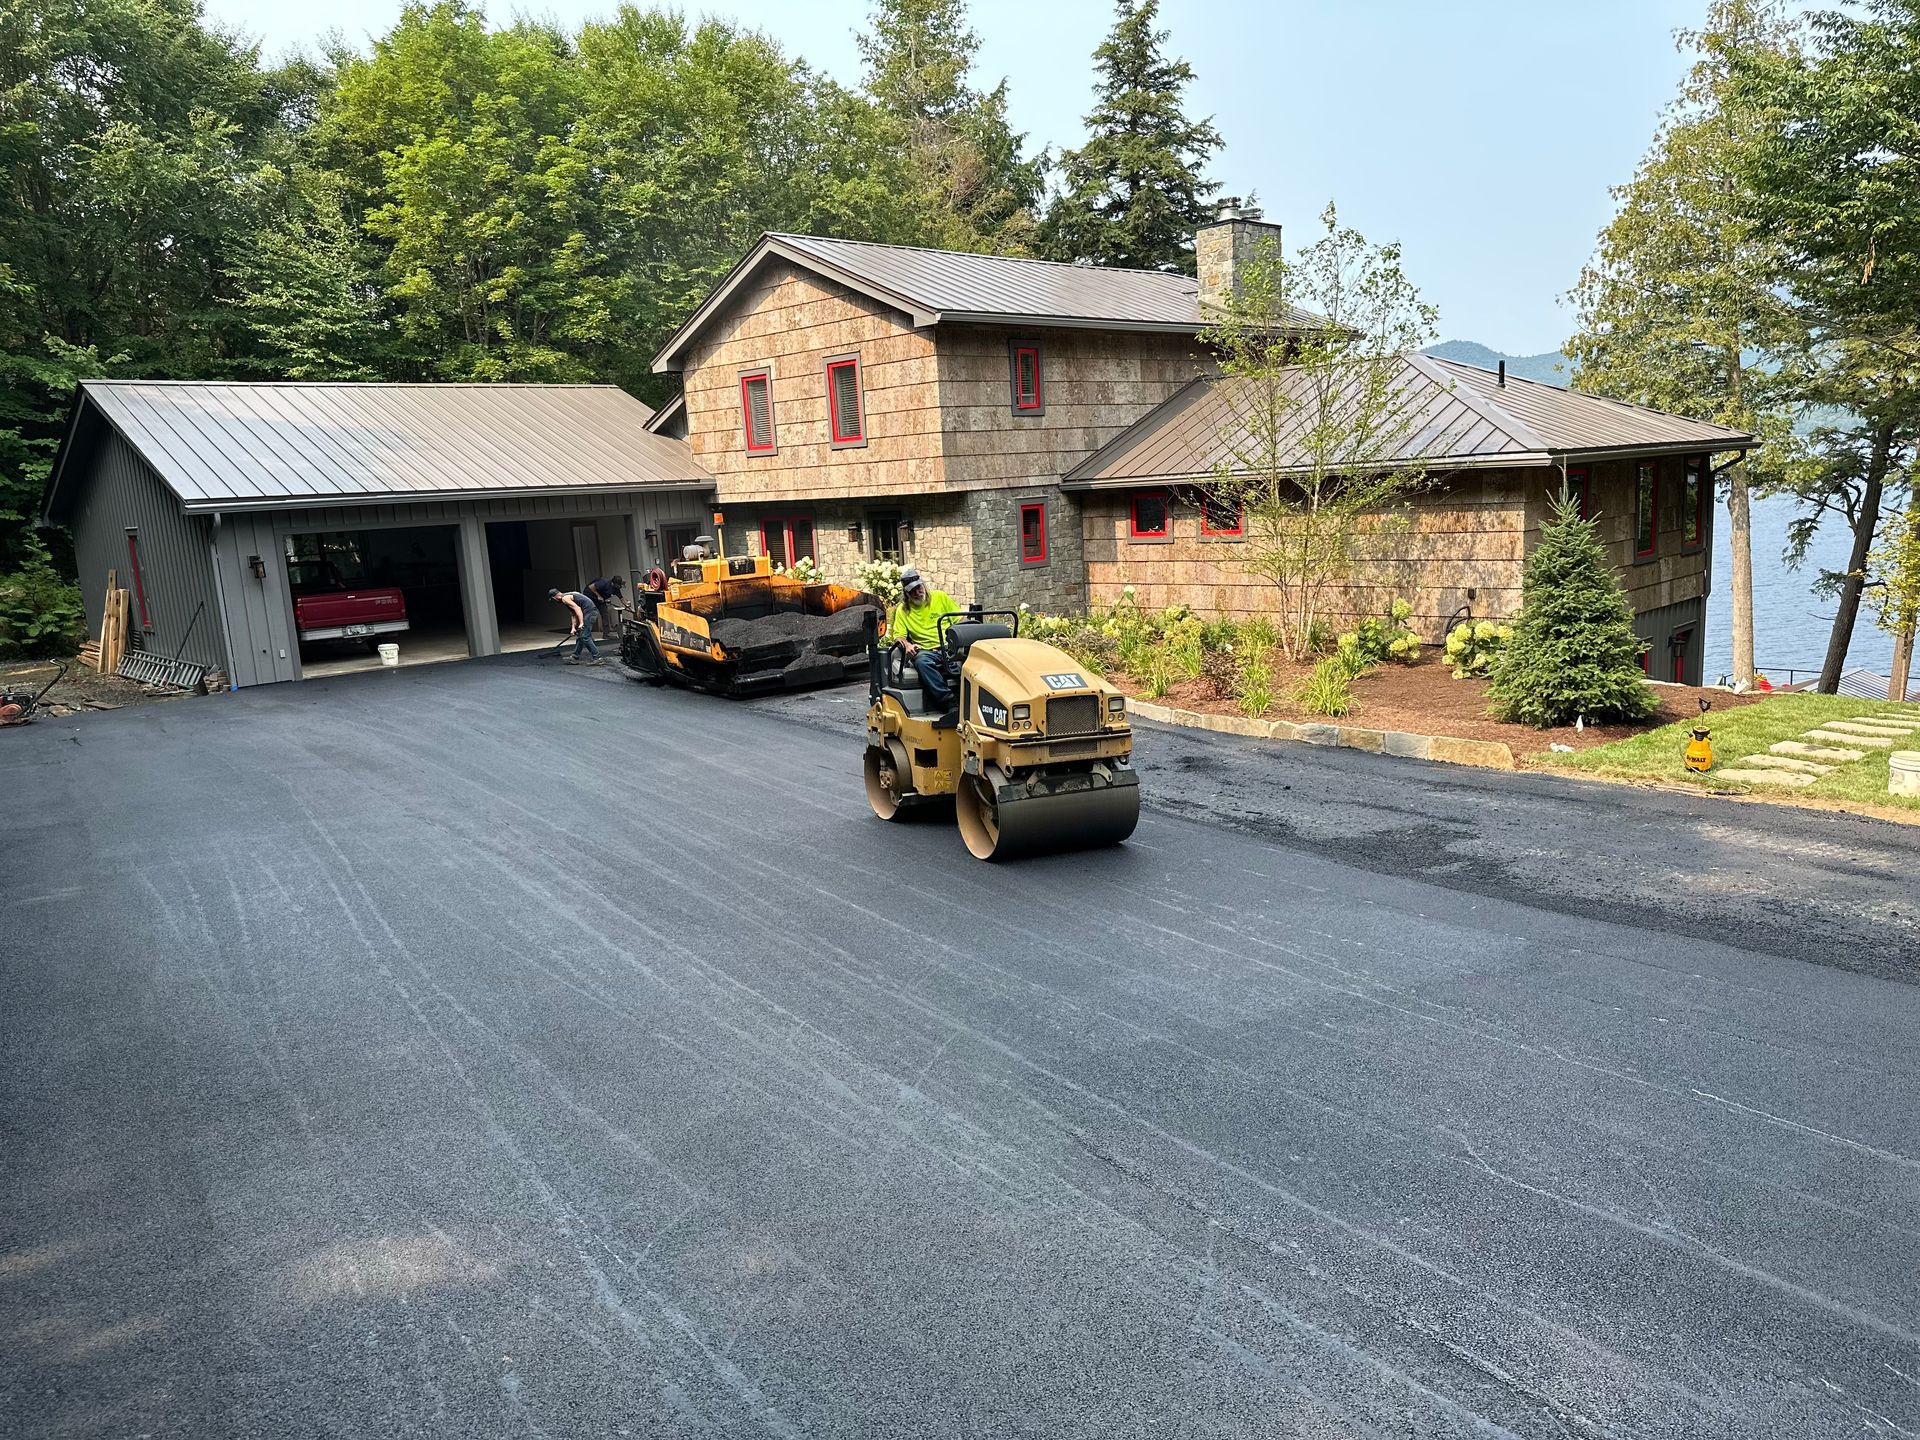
1552	368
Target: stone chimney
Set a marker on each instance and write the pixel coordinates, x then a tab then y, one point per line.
1222	250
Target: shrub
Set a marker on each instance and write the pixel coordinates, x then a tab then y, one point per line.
1220	675
880	578
1216	635
1321	638
1328	690
1259	635
1254	684
1184	646
40	614
1380	638
1472	646
1159	676
803	570
1573	652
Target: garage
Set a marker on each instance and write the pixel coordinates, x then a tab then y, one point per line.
287	531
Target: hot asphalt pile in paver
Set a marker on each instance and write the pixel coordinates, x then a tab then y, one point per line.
1798	763
839	631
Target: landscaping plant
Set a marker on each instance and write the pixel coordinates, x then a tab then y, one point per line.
1254	684
1378	639
1328	690
40	613
1473	644
880	578
1573	651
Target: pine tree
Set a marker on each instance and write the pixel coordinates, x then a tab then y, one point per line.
976	190
1134	192
1573	652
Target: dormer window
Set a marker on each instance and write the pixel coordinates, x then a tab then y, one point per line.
1029	386
756	411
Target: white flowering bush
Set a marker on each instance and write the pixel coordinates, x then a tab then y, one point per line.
1473	644
804	570
881	578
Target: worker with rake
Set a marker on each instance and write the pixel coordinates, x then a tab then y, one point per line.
581	605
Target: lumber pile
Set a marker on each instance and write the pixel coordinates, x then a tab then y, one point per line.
116	618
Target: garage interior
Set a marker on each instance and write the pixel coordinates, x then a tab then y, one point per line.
526	558
420	561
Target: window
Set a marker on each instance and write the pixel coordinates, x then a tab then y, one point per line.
1646	508
1029	396
1033	534
1220	514
1646	662
1581	490
787	538
884	526
846	415
1693	503
756	411
674	540
1147	515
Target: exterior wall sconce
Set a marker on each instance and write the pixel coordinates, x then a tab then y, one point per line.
651	534
258	566
906	531
854	531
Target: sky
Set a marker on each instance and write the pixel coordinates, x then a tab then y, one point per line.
1482	136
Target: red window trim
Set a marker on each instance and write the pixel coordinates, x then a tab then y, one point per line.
1133	516
1679	653
1653	511
786	523
859	436
765	377
139	581
1239	521
1039	508
1039	401
1586	488
1694	468
1646	662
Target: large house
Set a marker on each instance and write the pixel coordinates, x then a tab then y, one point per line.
1033	432
1025	432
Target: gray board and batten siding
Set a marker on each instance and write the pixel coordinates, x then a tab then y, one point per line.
214	475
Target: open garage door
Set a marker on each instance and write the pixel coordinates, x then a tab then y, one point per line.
356	590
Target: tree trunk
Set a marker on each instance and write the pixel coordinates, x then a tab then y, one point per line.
1740	568
1866	522
1902	663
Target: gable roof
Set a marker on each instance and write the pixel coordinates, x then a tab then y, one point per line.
1441	414
229	446
932	287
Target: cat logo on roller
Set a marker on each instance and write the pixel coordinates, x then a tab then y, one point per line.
1036	757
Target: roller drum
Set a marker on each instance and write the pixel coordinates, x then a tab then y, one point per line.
999	820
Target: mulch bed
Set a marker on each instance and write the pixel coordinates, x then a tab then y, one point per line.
1425	699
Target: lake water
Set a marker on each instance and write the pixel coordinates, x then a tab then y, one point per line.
1790	623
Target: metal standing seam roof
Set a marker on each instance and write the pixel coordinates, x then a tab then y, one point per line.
235	446
1436	417
935	286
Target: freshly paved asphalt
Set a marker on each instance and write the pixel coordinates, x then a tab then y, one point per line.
500	1050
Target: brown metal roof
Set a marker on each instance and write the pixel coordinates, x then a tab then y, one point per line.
931	287
1436	417
241	446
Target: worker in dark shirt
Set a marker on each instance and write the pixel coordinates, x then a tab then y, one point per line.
605	593
580	606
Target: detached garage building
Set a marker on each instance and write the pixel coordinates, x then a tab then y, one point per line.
471	499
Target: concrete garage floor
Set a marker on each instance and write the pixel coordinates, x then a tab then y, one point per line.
422	1058
431	646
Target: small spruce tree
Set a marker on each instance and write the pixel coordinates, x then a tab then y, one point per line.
1573	652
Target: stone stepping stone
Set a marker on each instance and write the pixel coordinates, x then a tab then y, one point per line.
1783	762
1766	777
1870	727
1851	737
1816	752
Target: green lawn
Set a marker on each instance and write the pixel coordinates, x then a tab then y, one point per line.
1749	730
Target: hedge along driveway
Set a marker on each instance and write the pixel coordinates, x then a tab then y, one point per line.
1754	730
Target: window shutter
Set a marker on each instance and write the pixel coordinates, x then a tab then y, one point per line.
846	400
759	412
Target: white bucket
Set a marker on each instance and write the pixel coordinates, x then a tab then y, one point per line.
1903	773
389	654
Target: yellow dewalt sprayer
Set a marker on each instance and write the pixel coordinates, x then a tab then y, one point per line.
1699	757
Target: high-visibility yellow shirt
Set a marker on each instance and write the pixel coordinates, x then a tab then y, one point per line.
921	623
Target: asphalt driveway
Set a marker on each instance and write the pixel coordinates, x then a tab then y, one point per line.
495	1049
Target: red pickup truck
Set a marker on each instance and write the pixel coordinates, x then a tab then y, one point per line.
325	608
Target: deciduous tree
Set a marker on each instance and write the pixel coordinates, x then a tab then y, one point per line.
1316	437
